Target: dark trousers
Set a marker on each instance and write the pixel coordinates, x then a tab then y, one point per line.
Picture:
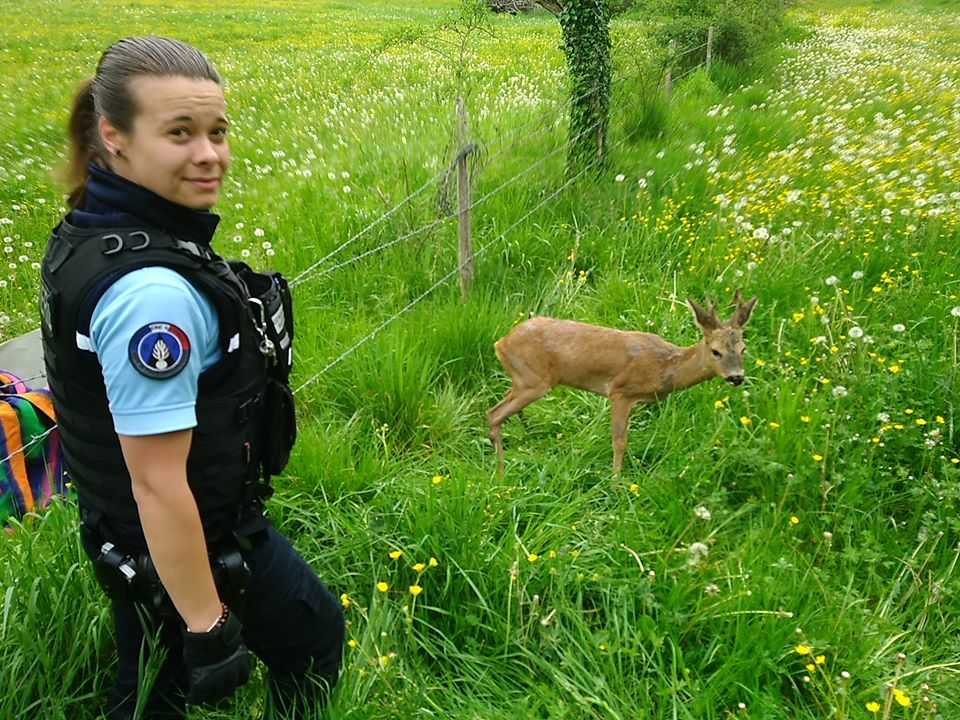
291	622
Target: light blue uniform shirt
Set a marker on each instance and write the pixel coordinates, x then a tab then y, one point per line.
134	307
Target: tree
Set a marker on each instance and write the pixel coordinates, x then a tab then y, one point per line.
585	27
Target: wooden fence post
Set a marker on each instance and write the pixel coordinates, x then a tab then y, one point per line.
464	197
709	46
668	79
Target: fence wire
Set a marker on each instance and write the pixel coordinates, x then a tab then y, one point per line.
34	441
25	381
446	278
445	218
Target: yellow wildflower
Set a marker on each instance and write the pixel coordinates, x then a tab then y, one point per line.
415	590
802	648
396	554
903	700
420	567
382	586
873	706
345	600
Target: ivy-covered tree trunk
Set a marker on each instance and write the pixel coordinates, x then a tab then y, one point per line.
585	26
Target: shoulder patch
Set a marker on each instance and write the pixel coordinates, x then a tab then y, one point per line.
159	350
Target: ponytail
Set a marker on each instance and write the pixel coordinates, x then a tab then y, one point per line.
84	143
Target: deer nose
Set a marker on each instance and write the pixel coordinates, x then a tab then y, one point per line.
735	379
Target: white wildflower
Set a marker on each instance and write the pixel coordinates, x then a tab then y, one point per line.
697	553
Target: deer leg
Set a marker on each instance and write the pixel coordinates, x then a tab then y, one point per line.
621	408
515	401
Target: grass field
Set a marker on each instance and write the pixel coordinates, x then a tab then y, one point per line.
782	550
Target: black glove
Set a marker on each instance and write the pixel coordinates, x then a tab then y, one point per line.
217	661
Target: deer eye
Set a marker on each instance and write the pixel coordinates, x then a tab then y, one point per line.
716	353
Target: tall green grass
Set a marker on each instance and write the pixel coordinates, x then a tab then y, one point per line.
813	508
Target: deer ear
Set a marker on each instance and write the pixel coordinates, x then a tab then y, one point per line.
744	310
705	319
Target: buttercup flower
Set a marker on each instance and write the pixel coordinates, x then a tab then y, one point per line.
903	700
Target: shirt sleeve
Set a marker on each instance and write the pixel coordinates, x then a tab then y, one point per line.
153	334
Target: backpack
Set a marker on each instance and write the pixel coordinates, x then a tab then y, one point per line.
31	461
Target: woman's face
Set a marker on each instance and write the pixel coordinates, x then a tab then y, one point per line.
178	144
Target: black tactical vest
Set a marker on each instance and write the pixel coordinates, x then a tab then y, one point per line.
229	448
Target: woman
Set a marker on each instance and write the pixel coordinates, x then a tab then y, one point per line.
168	368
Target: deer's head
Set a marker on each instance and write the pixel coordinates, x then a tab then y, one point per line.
724	340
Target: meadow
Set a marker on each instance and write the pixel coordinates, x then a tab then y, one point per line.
782	550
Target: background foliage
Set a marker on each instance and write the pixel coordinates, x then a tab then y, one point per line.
787	549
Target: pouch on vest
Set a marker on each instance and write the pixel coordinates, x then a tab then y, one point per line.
280	427
272	306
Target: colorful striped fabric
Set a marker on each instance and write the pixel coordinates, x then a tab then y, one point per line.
31	462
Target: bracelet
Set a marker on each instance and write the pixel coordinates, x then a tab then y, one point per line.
222	620
219	622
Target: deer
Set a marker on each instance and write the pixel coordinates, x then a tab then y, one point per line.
626	367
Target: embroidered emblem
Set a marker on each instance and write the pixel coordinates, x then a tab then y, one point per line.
159	350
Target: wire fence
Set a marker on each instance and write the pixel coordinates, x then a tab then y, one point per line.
313	272
32	443
439	221
25	381
446	278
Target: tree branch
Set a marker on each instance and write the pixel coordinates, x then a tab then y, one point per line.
554	6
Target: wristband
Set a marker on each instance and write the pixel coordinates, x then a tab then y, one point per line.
219	622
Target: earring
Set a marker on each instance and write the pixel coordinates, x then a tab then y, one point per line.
118	152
